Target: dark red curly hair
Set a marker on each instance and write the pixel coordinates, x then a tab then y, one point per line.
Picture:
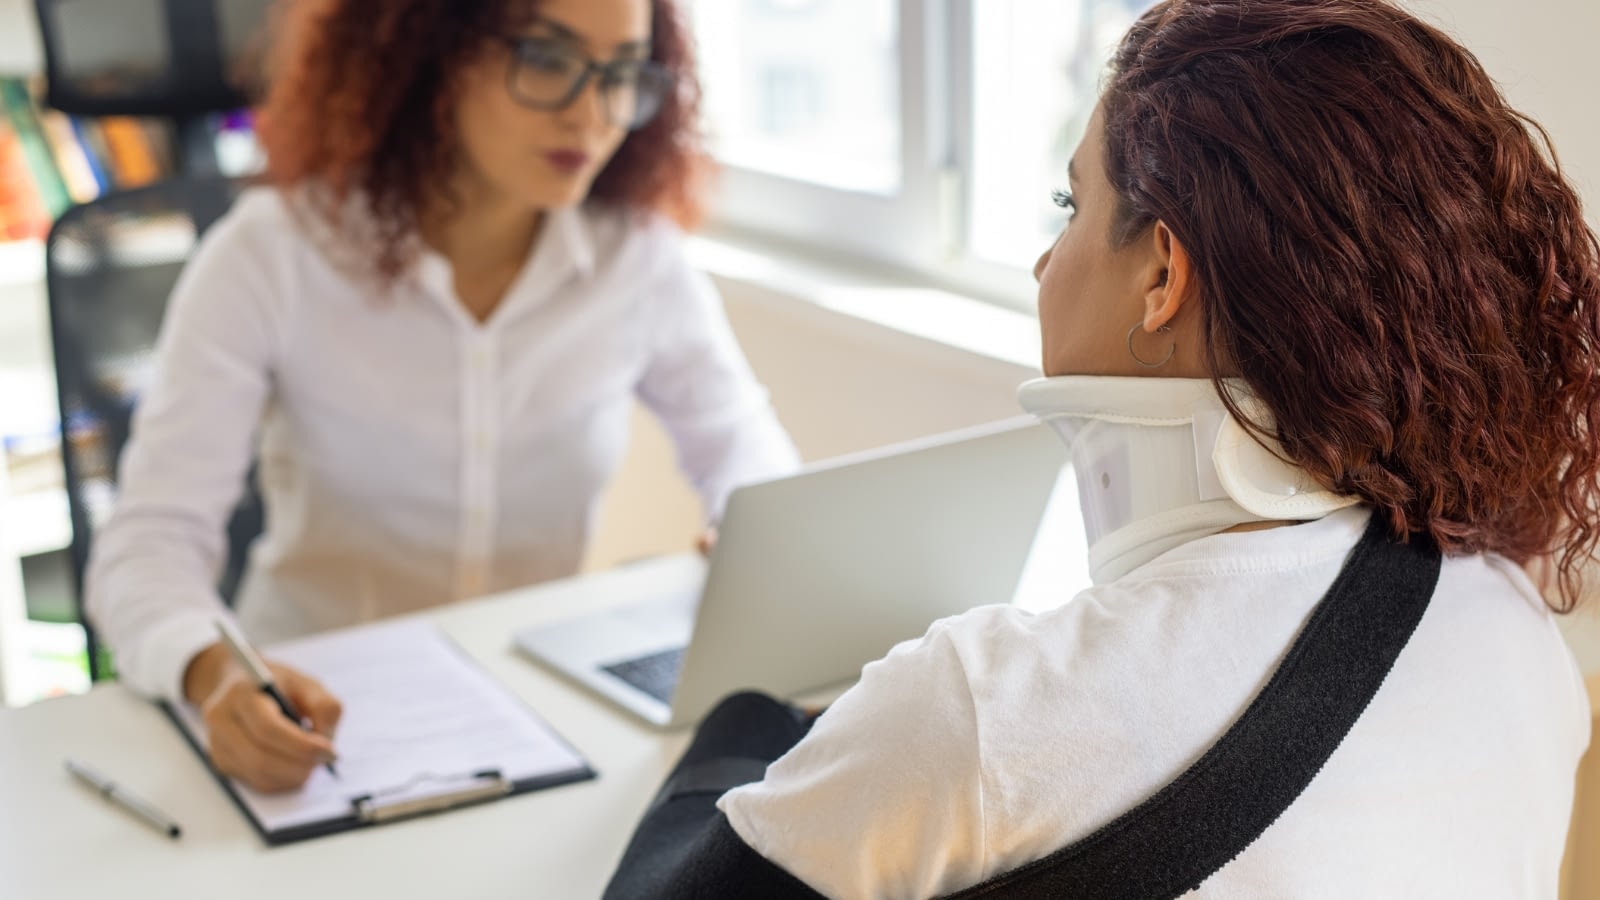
359	102
1387	252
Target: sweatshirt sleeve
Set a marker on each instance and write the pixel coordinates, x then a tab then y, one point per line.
150	585
698	383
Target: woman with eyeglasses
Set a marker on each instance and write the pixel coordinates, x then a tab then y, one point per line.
1323	332
430	331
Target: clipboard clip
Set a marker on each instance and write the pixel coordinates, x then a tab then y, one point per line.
429	793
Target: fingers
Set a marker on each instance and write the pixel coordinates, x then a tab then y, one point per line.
311	699
253	741
259	717
706	541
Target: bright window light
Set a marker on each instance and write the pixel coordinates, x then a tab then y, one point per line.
1037	70
804	89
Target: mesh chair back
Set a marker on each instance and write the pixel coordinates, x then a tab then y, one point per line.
110	265
152	57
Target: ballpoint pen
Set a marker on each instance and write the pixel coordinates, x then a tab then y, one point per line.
252	662
108	789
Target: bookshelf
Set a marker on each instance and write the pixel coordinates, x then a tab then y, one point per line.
33	505
20	56
49	161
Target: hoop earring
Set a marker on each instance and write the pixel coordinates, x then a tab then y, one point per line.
1171	349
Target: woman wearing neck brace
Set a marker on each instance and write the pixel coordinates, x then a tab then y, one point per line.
1316	272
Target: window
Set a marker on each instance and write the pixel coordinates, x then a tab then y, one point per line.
805	90
917	134
1037	66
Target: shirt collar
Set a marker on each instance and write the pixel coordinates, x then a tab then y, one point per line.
570	228
564	241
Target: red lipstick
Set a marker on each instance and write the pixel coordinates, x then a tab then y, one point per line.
568	162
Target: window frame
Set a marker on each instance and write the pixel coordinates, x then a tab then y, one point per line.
919	229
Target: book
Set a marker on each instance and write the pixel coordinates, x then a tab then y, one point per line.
133	156
425	729
66	151
159	135
94	149
18	106
22	211
72	160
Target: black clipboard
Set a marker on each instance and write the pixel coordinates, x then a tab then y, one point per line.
424	794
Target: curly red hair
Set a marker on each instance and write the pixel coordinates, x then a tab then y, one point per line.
1387	252
359	104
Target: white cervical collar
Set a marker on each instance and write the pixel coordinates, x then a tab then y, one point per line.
1160	462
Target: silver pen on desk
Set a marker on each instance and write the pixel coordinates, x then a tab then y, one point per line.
109	789
257	667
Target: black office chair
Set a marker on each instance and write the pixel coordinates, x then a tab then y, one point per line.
110	266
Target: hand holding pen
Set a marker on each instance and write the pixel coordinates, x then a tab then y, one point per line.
269	725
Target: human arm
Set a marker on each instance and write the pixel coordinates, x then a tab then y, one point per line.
699	384
150	583
881	798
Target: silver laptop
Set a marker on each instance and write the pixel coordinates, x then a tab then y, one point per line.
819	573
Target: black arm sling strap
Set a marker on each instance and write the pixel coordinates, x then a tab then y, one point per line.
1162	848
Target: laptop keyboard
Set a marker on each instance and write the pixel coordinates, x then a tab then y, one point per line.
656	674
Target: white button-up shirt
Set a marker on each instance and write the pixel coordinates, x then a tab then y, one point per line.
409	454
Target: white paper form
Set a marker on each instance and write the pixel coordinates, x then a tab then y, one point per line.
415	710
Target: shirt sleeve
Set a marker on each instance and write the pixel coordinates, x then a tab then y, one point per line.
698	383
884	798
150	586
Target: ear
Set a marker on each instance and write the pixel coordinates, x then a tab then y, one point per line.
1171	281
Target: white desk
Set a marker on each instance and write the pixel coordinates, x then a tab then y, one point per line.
59	840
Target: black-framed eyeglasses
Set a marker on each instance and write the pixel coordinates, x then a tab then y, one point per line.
550	74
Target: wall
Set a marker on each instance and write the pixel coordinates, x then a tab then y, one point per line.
13	612
1542	54
839	383
19	39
